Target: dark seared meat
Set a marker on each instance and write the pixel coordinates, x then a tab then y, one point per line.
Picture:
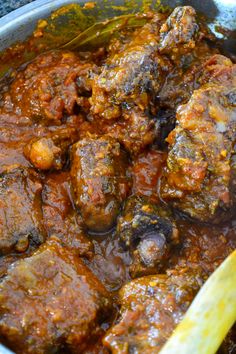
186	76
217	69
199	178
126	88
131	75
135	131
202	65
49	301
149	231
204	246
184	41
20	211
179	31
50	151
136	80
47	89
99	181
151	307
60	218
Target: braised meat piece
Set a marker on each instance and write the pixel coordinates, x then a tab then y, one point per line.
50	152
200	175
217	69
179	31
49	87
127	86
149	231
20	211
59	216
51	301
136	80
151	308
203	245
186	43
131	75
135	131
99	181
185	78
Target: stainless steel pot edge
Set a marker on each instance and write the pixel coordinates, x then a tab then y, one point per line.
19	24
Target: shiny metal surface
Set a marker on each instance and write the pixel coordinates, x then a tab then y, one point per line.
19	24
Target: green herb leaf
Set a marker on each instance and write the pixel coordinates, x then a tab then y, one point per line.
100	33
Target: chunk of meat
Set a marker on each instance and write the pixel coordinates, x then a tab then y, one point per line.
59	216
136	80
99	181
179	31
149	231
186	43
201	66
20	211
203	245
135	131
185	77
49	87
151	308
131	75
51	301
50	152
200	175
217	69
124	93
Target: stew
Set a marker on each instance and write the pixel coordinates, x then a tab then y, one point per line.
117	188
